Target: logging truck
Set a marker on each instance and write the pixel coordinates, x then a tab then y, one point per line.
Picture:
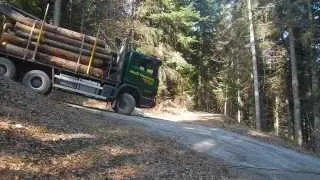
45	57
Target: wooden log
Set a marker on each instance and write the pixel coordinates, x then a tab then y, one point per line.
50	50
57	30
60	38
64	46
53	60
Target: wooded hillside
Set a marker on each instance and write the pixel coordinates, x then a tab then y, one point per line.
254	60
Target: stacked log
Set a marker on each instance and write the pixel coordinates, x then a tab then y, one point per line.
15	40
58	46
59	30
61	38
59	62
61	45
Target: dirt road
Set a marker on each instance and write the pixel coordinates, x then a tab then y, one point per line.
263	161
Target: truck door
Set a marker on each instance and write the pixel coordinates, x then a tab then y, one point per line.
141	73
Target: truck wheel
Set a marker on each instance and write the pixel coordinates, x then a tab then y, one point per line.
125	104
7	68
38	81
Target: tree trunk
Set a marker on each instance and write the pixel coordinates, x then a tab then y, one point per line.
295	90
206	90
240	103
239	115
316	106
52	60
225	111
199	89
255	69
82	17
315	85
57	12
276	116
289	103
290	121
50	50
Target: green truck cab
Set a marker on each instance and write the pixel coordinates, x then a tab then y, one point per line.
142	71
139	80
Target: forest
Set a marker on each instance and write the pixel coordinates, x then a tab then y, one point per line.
256	61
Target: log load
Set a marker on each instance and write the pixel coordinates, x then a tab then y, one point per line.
62	45
63	39
12	39
56	29
53	60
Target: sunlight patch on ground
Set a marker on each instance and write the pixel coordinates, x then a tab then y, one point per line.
58	137
204	146
11	161
117	150
256	133
77	162
80	160
124	172
42	134
202	131
187	116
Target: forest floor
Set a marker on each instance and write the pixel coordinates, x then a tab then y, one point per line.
41	138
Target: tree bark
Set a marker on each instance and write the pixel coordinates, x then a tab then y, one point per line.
239	115
50	50
276	116
82	17
316	106
64	39
57	12
199	89
255	69
53	60
295	90
225	110
315	85
290	120
240	103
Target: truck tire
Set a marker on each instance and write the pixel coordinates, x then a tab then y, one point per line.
37	81
125	104
7	68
